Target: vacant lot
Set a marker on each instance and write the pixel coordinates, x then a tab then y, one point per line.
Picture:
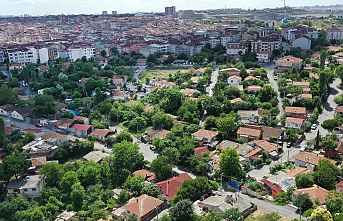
260	215
155	74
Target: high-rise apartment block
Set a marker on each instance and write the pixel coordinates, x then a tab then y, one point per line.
170	10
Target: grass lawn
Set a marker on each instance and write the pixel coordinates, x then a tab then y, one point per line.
260	215
155	74
136	134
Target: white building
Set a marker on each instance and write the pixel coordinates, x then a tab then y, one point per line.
292	122
153	48
24	55
303	42
30	186
234	80
77	52
43	55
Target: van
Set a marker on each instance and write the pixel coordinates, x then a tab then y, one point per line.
68	101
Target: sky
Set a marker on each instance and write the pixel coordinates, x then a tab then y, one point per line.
41	7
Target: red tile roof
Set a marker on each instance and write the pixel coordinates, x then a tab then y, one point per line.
81	127
314	192
339	185
101	132
208	134
143	205
170	186
199	150
272	186
149	176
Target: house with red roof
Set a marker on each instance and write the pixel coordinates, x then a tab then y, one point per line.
198	151
205	136
102	134
339	186
170	186
273	188
81	130
144	207
149	176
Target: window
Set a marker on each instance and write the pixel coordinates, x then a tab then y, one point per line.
25	190
33	189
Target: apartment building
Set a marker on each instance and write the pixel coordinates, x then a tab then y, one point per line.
268	43
236	48
334	34
23	55
2	56
77	52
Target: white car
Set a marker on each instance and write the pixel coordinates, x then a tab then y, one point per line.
275	78
314	126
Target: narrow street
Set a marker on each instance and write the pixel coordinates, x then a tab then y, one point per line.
273	83
328	111
214	79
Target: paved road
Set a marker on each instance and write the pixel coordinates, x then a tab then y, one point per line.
273	83
3	69
24	124
214	79
328	112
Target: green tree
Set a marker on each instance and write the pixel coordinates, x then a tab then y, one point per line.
53	173
44	105
15	165
8	96
162	120
162	167
2	132
182	211
14	82
123	136
211	216
89	173
226	124
194	189
229	163
232	215
11	205
323	55
67	181
127	156
303	202
137	124
77	195
173	155
321	214
103	53
327	174
304	180
334	202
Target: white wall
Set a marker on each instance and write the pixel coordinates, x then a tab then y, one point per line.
43	55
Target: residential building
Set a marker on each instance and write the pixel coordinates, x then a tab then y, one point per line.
302	42
81	130
2	56
237	48
234	36
78	51
231	71
96	156
144	207
288	62
309	160
170	186
263	56
268	43
29	186
55	138
23	55
149	176
205	136
249	133
164	48
297	112
153	134
234	80
271	132
334	34
273	188
7	109
295	123
177	49
22	113
339	110
170	10
101	134
315	193
13	66
339	186
249	116
198	151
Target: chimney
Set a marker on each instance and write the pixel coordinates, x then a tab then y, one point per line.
167	188
137	200
161	188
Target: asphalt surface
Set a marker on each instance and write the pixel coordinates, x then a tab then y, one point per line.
274	85
214	79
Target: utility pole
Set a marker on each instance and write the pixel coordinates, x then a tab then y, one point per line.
221	182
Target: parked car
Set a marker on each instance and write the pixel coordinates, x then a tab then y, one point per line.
314	126
152	147
275	78
38	125
289	144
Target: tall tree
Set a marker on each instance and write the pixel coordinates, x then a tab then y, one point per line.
321	214
182	211
229	163
327	176
127	156
44	105
77	195
14	165
53	173
8	96
162	167
2	132
323	55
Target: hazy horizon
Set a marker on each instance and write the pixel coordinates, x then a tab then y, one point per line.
54	7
